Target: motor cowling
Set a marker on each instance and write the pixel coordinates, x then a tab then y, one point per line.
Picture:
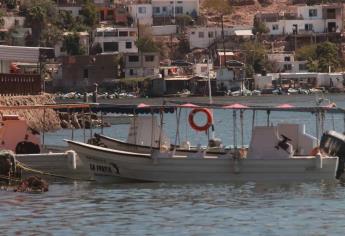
333	144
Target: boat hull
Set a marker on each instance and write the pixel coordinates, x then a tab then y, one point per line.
108	164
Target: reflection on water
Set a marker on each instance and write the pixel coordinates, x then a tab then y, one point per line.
177	209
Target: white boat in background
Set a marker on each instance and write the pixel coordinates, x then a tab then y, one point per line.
144	136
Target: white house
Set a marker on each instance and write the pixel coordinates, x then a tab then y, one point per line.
120	39
175	7
12	21
141	64
307	19
141	13
71	6
301	79
285	62
202	37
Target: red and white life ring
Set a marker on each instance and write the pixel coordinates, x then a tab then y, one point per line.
204	127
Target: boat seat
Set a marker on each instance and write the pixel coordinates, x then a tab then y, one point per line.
263	144
303	143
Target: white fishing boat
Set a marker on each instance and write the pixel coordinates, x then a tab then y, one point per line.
275	153
144	135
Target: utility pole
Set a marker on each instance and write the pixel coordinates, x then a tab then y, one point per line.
222	16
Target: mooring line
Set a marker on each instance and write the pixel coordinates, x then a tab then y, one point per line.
29	169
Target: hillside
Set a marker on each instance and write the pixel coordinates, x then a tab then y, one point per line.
244	15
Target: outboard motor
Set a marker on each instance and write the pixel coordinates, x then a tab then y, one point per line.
283	143
333	143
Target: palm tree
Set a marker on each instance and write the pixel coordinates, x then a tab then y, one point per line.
36	19
2	21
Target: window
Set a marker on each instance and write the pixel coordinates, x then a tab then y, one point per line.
193	32
201	34
110	34
99	34
133	58
312	12
164	9
111	46
128	45
133	72
308	27
286	58
302	67
210	34
123	33
149	58
179	10
142	10
287	67
179	2
275	27
156	10
85	73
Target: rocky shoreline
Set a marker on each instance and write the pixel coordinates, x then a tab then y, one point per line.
37	119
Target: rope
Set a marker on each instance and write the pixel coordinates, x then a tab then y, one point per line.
29	169
9	178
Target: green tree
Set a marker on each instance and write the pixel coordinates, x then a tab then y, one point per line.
259	27
50	36
183	21
255	57
146	44
221	8
89	14
2	21
328	56
145	41
72	46
307	52
11	4
38	15
320	56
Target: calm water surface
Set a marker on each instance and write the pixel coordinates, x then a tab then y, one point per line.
81	208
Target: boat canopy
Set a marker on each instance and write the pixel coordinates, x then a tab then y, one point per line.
171	107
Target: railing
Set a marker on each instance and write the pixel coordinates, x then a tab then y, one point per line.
19	84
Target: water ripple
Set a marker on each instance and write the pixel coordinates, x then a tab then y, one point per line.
176	209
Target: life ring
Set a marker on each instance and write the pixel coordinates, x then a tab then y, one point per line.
204	127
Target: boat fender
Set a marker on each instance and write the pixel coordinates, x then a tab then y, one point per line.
204	127
318	159
72	159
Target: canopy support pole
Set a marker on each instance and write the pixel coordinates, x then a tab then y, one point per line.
83	121
90	117
241	120
317	126
235	131
135	126
161	128
253	121
44	126
151	131
178	115
102	122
